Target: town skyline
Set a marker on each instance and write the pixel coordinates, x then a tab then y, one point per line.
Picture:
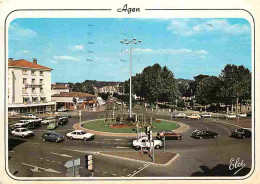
188	47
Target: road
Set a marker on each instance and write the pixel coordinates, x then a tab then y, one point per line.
30	157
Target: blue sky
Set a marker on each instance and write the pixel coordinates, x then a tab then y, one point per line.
83	48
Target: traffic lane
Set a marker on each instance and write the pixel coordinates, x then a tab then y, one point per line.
191	161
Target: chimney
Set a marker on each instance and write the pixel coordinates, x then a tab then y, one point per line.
35	60
10	60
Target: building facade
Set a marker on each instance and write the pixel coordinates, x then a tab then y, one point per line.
58	88
29	87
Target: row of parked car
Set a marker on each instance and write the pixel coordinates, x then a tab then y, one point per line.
208	115
200	134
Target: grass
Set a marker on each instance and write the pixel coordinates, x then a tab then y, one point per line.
102	126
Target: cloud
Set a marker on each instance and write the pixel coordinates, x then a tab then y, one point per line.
17	32
23	51
190	27
171	51
78	47
65	58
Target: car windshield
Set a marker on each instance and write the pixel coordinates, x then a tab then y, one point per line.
83	132
239	130
23	130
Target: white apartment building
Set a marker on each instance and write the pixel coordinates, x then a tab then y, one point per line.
29	87
57	89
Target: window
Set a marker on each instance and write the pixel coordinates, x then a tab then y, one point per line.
41	90
33	72
25	100
24	72
33	90
24	90
41	81
33	81
41	72
24	80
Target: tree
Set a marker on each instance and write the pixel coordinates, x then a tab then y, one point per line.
236	83
208	90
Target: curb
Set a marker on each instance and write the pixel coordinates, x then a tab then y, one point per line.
140	161
77	126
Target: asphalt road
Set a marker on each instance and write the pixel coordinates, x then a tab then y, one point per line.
31	157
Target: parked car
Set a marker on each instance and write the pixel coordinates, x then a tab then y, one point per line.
168	134
230	116
194	116
66	114
52	126
144	142
241	133
241	115
249	114
201	134
34	124
180	115
206	115
48	120
52	137
62	109
80	134
21	123
22	132
11	128
62	120
29	116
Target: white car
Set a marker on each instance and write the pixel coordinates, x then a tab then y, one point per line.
80	134
230	116
194	116
144	142
22	132
62	109
206	115
180	115
21	123
36	119
29	116
48	120
241	115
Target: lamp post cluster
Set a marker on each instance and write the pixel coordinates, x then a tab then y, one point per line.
130	42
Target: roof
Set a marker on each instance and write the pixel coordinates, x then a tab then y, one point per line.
55	86
26	64
73	94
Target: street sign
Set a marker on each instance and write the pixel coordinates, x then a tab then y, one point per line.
72	163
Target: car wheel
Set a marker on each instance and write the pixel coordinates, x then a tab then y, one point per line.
243	137
43	140
23	136
85	139
157	147
215	136
56	140
200	137
71	137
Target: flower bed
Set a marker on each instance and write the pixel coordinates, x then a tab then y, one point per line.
121	126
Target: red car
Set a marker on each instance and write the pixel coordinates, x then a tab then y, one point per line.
168	134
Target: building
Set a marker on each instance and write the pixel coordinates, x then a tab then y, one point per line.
74	100
58	88
29	87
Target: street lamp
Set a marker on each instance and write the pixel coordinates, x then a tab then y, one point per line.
130	42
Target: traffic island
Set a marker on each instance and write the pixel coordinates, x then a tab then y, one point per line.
160	157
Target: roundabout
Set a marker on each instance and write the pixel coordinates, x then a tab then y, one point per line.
100	127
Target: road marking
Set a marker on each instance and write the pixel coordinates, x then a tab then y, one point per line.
107	146
139	170
36	143
229	123
80	151
113	174
122	147
36	168
115	139
63	155
129	175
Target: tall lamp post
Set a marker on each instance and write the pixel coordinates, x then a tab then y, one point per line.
130	42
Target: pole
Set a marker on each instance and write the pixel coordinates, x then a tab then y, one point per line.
92	173
164	143
73	169
130	73
153	150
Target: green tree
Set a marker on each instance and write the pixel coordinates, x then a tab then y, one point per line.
236	82
208	90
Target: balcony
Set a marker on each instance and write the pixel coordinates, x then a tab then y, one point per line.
33	85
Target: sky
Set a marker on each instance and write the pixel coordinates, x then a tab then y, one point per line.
79	49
